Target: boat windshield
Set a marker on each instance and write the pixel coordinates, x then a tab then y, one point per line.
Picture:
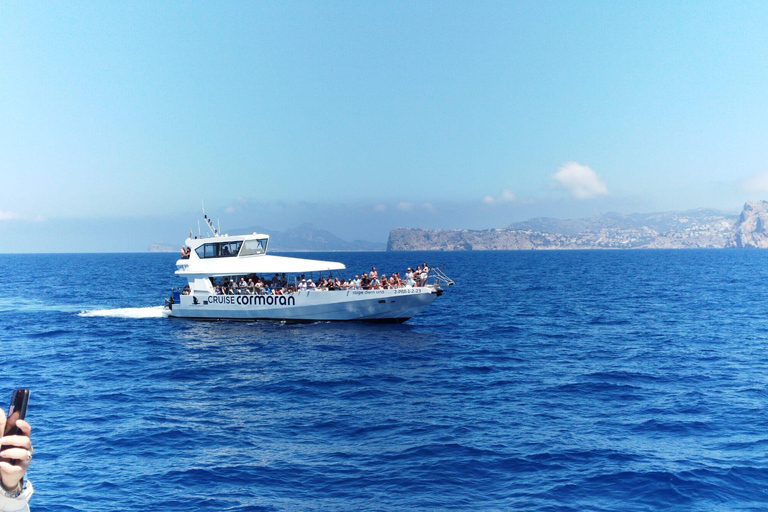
219	250
251	247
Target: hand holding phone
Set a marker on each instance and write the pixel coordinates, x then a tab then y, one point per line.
16	450
16	411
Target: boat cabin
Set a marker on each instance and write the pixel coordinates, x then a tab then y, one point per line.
249	247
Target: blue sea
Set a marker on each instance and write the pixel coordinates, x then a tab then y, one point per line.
542	381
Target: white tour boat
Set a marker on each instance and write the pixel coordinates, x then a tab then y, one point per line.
211	263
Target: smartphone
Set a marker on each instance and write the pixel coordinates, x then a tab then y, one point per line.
16	411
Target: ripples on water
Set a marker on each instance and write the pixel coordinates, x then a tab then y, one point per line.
542	381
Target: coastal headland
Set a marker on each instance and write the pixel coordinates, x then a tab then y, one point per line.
693	229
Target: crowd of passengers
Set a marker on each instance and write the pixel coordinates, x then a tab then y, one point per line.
253	284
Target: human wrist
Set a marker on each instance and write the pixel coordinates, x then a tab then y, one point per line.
14	491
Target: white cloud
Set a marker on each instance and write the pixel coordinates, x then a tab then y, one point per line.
506	197
229	209
9	215
404	206
581	181
757	183
380	208
429	207
5	215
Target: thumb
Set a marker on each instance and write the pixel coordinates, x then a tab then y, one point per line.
2	423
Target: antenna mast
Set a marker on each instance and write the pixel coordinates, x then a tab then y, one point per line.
213	231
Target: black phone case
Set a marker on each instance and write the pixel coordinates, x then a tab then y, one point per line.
19	400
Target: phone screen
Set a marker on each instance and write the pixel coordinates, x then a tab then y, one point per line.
16	411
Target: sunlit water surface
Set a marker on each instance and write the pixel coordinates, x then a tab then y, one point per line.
543	381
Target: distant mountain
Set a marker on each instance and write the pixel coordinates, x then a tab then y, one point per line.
703	228
307	237
163	248
662	222
301	238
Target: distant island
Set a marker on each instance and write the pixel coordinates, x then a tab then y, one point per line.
668	230
302	238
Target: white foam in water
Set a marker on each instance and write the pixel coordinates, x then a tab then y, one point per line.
32	305
151	312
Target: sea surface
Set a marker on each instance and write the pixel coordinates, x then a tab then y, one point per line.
542	381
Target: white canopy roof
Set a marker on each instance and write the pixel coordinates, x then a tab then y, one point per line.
257	264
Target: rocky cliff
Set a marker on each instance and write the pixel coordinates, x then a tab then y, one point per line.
751	230
668	230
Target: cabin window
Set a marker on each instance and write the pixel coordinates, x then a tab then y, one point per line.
229	249
251	247
219	250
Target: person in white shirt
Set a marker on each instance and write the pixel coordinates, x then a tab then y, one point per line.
409	282
14	490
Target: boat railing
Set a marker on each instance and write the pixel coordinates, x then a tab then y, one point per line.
436	278
439	278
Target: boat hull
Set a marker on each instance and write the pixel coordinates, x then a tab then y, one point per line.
396	305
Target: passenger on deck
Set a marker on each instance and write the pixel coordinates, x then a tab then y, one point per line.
356	282
409	282
310	284
365	282
424	273
303	285
373	274
185	252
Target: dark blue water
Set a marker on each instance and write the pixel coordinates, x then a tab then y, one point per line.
543	381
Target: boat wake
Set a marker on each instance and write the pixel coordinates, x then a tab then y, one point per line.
151	312
27	305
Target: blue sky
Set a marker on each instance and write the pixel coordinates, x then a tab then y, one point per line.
117	119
